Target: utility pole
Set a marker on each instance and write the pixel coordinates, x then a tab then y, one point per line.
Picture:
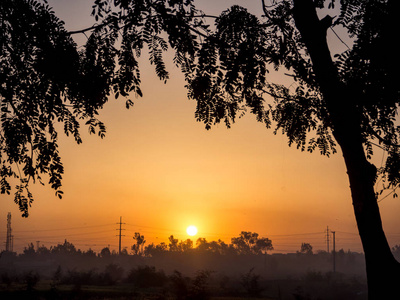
120	229
9	240
327	238
334	252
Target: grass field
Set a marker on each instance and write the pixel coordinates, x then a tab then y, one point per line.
308	289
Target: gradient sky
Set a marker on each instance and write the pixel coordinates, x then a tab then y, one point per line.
161	171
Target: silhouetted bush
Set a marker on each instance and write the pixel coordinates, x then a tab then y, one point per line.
185	288
199	289
179	285
7	279
313	276
227	286
112	274
250	282
329	286
79	278
31	279
146	276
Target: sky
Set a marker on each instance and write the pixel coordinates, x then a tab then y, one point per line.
162	171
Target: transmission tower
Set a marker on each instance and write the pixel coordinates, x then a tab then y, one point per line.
9	240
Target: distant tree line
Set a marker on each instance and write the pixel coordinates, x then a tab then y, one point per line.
246	243
211	268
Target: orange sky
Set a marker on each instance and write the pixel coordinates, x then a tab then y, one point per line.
161	171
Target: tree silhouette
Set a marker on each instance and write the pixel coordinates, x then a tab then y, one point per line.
65	248
219	246
249	242
30	250
138	247
153	250
43	250
105	252
349	102
186	245
44	80
173	244
202	244
306	248
89	253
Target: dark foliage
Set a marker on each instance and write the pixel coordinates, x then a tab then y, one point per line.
186	288
31	279
251	283
45	79
146	276
110	276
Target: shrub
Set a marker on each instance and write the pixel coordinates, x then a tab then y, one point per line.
112	274
199	288
179	285
146	276
31	279
250	282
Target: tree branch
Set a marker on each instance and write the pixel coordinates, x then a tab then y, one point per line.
94	27
381	139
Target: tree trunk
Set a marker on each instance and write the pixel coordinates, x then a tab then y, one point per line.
383	271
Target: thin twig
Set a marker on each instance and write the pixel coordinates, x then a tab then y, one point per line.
382	140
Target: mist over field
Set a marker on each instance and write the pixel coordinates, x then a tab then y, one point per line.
189	274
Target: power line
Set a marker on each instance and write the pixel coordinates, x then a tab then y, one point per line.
79	233
339	38
296	234
104	236
61	229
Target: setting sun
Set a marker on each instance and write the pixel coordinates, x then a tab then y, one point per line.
191	230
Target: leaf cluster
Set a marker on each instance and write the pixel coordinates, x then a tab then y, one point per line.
249	242
154	24
370	71
232	75
229	70
44	80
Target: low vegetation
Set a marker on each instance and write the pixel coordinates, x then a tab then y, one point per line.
212	270
146	282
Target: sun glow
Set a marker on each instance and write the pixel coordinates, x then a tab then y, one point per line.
191	230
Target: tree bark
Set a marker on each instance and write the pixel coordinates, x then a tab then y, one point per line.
383	271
